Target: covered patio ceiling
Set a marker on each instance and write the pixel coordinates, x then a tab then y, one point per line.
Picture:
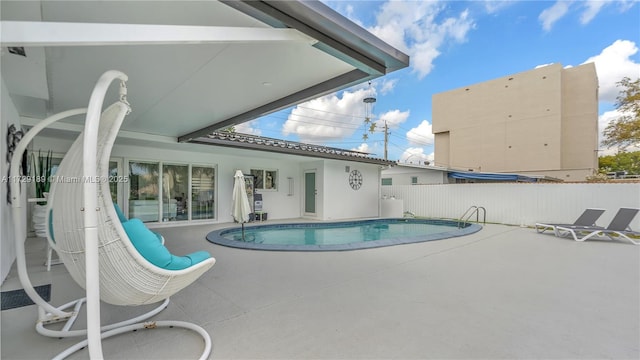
193	66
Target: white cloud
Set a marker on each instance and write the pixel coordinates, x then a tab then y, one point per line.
247	128
362	148
592	9
328	118
388	85
493	6
589	10
393	119
416	156
333	117
550	15
612	64
625	5
422	58
421	135
412	27
543	65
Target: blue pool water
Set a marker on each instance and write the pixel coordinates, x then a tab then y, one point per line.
339	235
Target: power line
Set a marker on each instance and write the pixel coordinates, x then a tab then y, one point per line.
392	134
426	141
333	113
417	139
324	120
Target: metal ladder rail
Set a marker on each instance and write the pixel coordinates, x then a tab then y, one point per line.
469	213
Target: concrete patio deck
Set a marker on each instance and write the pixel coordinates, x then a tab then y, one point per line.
502	293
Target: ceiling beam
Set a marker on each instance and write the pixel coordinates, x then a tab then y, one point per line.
39	33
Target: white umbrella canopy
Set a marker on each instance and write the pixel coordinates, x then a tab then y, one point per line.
240	207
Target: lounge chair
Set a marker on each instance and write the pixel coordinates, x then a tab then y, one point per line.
619	226
586	220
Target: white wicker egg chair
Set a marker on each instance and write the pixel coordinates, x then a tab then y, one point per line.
91	241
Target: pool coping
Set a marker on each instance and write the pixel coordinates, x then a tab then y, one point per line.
217	238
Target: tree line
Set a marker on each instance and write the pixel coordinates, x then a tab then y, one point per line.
624	132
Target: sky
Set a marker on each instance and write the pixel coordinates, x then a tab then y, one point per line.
452	44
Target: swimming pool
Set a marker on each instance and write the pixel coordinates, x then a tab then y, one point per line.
336	236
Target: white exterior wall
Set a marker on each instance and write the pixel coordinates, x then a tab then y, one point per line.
8	116
335	199
343	202
401	175
519	204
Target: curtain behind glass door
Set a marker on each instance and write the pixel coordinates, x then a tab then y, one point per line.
144	200
202	192
175	187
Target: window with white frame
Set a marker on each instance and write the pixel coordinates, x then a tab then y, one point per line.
265	179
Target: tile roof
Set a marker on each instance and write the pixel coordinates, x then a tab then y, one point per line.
259	143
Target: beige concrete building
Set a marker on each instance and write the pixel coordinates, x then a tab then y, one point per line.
543	122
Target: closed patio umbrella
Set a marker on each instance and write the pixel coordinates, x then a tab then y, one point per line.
240	207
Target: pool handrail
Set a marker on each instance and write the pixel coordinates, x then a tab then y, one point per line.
469	213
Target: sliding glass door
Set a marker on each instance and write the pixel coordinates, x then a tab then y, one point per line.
144	194
183	192
203	184
175	187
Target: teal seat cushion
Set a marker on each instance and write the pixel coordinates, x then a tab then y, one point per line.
150	247
159	237
198	256
120	213
123	219
53	239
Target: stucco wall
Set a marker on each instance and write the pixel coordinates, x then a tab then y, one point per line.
343	202
540	120
580	117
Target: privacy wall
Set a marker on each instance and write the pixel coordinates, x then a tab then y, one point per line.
519	203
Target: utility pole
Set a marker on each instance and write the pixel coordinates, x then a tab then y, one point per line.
386	138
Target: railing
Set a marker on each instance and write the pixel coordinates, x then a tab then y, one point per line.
469	213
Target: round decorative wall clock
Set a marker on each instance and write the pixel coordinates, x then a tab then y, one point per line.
355	179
